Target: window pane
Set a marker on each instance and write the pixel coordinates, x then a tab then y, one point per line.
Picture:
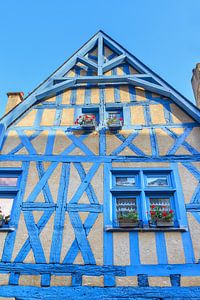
114	114
162	203
125	181
6	205
8	181
157	181
125	205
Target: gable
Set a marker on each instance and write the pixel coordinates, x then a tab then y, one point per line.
101	61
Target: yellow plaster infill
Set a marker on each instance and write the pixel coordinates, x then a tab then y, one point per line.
66	97
124	93
30	280
32	179
93	280
21	237
147	246
92	142
159	281
95	239
144	135
71	73
80	96
109	94
97	183
132	70
107	51
188	183
164	141
28	119
11	164
140	165
54	183
12	141
79	259
194	227
39	143
61	142
68	237
112	143
126	281
4	279
67	117
137	115
157	114
2	241
194	138
174	245
46	237
108	73
61	280
121	248
120	71
52	99
190	281
140	94
94	95
179	116
48	117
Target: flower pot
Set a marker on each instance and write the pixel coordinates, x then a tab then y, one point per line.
88	127
128	223
165	223
115	127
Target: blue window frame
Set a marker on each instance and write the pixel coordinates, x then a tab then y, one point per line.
9	187
146	188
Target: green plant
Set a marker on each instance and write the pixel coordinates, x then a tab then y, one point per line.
85	119
161	213
130	216
114	121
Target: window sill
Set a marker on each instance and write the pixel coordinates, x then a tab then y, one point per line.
158	229
7	229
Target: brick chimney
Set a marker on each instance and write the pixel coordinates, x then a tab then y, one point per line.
196	83
14	98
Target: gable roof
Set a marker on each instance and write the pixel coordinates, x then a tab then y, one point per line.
58	81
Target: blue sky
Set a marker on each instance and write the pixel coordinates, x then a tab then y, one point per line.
36	36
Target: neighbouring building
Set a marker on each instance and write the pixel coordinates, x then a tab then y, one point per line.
100	174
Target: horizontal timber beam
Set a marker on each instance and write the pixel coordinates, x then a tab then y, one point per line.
103	159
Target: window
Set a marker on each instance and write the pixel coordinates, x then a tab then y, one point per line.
144	198
114	116
9	186
94	111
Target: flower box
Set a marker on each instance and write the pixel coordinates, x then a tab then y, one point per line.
161	223
115	127
88	127
128	223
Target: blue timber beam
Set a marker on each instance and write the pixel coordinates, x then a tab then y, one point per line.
100	54
87	62
114	62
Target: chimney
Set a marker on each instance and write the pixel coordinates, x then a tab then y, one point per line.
14	98
196	83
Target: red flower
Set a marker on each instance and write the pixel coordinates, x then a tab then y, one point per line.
171	211
152	213
120	119
164	214
152	206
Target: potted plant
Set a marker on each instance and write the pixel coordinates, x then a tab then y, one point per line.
87	122
161	216
129	219
115	124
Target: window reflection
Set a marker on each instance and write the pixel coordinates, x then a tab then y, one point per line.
125	181
8	181
6	205
157	181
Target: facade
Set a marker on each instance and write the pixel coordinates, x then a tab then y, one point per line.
100	208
